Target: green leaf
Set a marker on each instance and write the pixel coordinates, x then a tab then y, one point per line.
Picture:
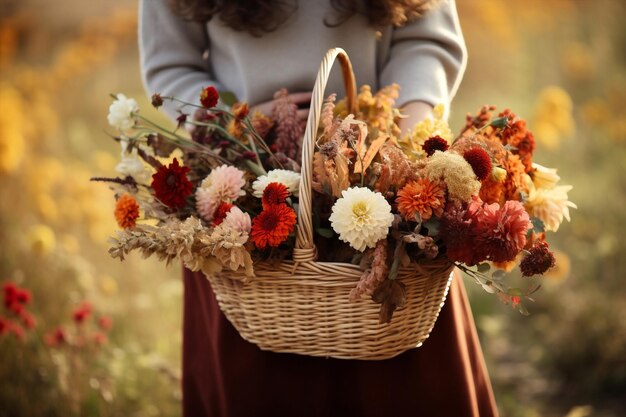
325	232
433	226
228	97
499	122
538	225
484	267
497	274
513	292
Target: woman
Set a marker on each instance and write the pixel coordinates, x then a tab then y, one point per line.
253	48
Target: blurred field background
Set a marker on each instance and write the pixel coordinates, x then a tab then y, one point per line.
558	63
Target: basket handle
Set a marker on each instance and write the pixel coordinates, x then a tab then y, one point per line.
305	250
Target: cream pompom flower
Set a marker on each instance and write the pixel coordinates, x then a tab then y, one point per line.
456	172
131	164
238	220
224	183
361	217
121	112
550	205
289	179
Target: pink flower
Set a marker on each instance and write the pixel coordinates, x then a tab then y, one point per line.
458	231
501	231
238	220
224	183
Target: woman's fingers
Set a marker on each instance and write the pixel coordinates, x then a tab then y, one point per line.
302	100
303	114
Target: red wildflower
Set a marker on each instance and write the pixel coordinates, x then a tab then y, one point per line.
126	211
273	226
274	194
220	212
209	97
28	320
435	143
171	185
5	325
501	231
538	261
480	161
100	338
515	300
56	338
240	110
82	312
10	293
17	330
105	323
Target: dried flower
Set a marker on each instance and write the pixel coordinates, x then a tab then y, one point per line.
361	217
289	130
456	172
171	186
288	178
261	124
240	110
435	143
126	211
121	113
209	97
377	273
480	162
422	197
273	226
538	261
156	100
275	193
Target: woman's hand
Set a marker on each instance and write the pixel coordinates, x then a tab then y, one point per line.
302	100
415	111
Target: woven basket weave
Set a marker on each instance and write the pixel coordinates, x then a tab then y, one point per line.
302	306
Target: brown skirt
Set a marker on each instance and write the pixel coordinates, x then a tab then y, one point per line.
224	375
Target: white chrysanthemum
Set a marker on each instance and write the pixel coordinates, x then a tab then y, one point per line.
289	179
361	217
121	112
544	177
550	205
132	165
224	183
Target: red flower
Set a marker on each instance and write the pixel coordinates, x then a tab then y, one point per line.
100	338
501	231
274	194
538	261
273	226
209	97
82	312
56	338
240	110
480	161
28	320
171	185
5	325
435	143
515	300
105	323
458	232
220	212
10	293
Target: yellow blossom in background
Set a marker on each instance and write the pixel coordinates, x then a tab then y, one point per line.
433	126
70	244
577	62
46	207
596	112
553	118
12	120
103	161
41	239
108	285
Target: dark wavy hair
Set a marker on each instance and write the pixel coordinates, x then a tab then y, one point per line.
263	16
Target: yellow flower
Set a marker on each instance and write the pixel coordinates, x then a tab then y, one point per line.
41	239
544	177
550	205
436	126
12	141
553	116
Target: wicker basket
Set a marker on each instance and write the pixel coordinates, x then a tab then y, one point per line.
302	306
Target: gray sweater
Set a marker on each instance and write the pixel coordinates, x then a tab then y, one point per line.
426	57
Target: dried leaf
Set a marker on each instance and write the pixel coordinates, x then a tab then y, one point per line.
390	295
371	153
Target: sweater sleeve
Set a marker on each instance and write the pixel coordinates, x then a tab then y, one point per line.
172	54
427	57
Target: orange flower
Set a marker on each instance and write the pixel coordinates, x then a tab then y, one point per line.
273	226
491	191
514	182
126	211
423	197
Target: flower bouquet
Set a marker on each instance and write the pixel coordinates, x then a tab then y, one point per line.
348	251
